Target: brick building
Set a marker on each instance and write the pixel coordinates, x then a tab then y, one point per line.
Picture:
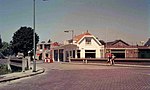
122	49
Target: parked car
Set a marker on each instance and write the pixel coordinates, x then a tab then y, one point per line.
20	55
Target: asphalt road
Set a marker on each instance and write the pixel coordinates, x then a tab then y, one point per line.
83	77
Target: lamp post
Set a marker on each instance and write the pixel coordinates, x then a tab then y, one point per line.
34	61
72	32
34	48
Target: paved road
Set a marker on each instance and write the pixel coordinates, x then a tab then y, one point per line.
84	77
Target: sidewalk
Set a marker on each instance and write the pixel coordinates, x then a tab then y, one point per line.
127	65
18	75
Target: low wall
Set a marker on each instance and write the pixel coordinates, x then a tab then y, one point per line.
117	60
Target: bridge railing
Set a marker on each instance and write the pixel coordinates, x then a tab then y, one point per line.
18	64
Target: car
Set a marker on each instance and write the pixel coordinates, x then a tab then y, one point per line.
20	55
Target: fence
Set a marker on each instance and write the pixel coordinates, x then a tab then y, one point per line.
18	63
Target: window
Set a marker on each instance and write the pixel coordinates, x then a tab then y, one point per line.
46	55
47	46
40	46
88	40
73	53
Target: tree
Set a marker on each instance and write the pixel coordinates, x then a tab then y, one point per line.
1	42
6	50
22	40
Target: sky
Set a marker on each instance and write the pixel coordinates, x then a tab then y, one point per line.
128	20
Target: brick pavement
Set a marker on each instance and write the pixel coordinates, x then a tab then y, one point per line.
85	77
100	79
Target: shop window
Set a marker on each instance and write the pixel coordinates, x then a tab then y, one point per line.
90	53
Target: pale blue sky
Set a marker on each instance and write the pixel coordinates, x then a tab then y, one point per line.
107	19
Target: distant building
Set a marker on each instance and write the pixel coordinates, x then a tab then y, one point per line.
122	49
44	49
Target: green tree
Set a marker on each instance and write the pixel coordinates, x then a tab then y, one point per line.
0	42
5	50
22	40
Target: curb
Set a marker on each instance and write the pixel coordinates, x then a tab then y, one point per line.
23	76
115	65
136	66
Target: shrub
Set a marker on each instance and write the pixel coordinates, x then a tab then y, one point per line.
3	69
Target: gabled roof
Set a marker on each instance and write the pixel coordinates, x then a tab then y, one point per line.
116	41
78	37
102	42
112	45
147	43
143	47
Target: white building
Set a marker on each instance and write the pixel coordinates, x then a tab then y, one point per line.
84	45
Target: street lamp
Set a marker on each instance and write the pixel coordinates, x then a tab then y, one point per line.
34	52
34	61
72	32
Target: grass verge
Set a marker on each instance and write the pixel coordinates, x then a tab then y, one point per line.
3	69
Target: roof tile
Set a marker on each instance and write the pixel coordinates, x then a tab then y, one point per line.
78	37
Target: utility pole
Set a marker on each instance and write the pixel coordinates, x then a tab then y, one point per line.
34	46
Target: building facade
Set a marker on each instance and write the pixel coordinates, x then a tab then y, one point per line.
87	45
122	49
44	50
82	46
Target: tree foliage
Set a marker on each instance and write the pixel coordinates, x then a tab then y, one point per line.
6	50
22	40
0	42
